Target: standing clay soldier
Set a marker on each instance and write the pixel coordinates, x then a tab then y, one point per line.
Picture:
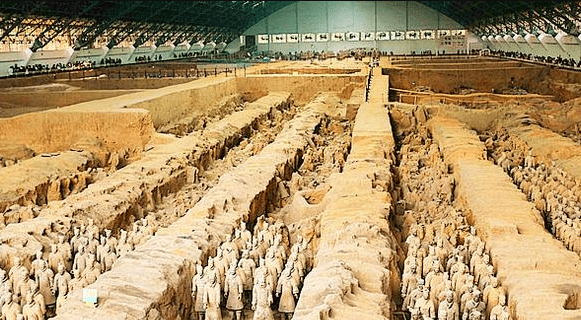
37	263
425	305
44	279
448	309
38	297
92	273
75	240
77	282
247	266
108	259
11	308
17	274
475	304
5	284
101	249
198	284
31	310
262	299
54	258
492	294
233	289
409	280
500	311
123	246
410	300
65	251
262	270
80	262
288	291
212	298
60	286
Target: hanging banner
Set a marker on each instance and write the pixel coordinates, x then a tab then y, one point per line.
308	37
292	37
278	38
337	36
397	35
352	36
382	35
367	36
412	35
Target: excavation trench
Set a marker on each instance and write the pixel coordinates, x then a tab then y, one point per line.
154	281
129	193
534	268
353	275
552	191
442	254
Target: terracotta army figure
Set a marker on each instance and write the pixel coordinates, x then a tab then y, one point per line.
410	299
474	304
75	240
108	259
425	305
263	270
17	274
233	289
247	267
262	299
123	246
38	298
60	286
37	301
54	258
288	291
491	294
11	308
448	309
37	263
5	283
500	311
198	284
77	282
273	266
101	249
92	230
25	285
92	273
112	241
409	280
80	262
448	288
245	234
65	251
221	265
31	310
529	160
212	297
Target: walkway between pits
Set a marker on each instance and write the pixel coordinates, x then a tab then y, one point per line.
355	272
541	276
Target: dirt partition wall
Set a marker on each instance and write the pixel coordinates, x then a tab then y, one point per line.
125	84
464	65
123	123
303	87
58	129
482	80
175	102
47	100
